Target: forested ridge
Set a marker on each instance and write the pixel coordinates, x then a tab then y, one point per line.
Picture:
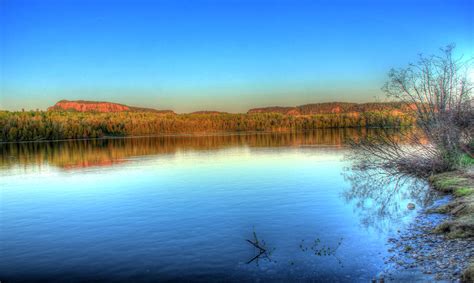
54	125
336	107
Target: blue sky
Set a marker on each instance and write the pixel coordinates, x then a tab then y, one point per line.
223	55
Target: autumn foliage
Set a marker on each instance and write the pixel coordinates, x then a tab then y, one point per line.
54	125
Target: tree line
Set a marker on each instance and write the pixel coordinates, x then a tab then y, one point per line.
55	125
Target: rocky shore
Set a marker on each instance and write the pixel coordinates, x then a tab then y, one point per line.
440	242
432	253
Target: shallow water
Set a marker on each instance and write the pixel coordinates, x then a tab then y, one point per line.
182	208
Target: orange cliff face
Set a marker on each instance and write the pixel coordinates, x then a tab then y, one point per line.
100	106
86	106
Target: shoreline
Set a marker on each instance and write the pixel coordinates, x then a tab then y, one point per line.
205	134
460	225
440	241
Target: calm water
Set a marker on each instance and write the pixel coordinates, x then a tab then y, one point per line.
182	208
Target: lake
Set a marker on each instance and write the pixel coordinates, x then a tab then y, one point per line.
195	208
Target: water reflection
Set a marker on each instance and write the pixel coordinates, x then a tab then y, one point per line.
180	208
261	250
316	247
107	152
382	198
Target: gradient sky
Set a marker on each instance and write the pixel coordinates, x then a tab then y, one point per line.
216	55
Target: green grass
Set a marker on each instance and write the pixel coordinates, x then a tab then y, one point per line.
448	182
466	160
463	191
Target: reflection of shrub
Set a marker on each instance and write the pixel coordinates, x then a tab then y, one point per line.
381	197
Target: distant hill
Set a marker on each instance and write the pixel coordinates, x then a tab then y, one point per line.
335	108
85	119
100	106
307	109
208	112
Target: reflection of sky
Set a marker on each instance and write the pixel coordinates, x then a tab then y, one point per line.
228	55
187	214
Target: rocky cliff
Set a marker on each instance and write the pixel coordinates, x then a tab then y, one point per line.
99	106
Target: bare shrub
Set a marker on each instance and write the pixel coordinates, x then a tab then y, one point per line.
439	91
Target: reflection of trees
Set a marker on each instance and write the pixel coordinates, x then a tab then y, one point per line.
380	197
105	152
